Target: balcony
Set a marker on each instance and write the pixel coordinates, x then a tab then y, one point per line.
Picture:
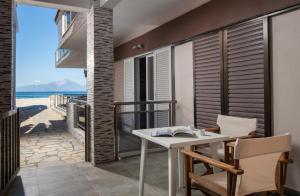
71	52
68	19
70	58
60	55
73	33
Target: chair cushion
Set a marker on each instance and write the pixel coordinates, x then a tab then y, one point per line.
216	183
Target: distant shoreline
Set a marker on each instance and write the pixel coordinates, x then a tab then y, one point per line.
32	95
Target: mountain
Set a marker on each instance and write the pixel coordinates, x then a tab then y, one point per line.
64	85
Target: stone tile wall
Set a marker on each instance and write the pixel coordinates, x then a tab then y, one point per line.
14	43
6	55
100	82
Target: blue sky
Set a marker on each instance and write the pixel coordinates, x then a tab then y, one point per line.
37	41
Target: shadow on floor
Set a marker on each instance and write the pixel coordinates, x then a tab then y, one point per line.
30	111
24	129
156	168
17	187
54	126
58	125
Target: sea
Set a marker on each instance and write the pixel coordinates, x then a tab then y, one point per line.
30	95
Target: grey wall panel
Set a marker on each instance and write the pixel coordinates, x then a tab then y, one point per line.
286	86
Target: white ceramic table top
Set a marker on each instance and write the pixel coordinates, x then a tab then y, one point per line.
177	142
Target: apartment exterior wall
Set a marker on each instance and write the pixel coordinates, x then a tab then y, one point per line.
285	109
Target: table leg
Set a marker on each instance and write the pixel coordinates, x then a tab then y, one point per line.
180	168
214	153
142	166
172	162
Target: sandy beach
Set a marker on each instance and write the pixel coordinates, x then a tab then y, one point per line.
33	102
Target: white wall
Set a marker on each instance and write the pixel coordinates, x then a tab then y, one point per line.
286	86
119	81
184	93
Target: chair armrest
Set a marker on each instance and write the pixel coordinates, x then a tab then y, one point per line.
252	134
231	141
213	129
213	162
230	144
285	161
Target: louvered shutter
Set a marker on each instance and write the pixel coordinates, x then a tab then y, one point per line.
207	79
163	86
245	69
129	83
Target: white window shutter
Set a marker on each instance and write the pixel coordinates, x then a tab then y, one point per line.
129	83
163	84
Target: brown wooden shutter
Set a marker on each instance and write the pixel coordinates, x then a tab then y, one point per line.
207	79
245	65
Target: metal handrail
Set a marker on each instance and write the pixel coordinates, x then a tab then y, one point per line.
117	112
80	101
60	100
144	102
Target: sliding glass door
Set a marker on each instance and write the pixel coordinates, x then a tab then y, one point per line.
144	90
148	78
150	89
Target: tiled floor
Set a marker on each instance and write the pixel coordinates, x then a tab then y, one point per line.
44	138
81	179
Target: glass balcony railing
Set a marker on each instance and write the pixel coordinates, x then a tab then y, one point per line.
60	53
68	18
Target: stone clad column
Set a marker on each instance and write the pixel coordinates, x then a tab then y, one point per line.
7	51
100	82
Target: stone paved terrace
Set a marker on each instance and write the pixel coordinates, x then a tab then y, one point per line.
44	138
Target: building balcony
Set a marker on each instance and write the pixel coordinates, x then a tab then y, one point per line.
60	55
71	52
73	34
67	58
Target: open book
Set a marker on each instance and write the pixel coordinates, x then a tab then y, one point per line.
171	132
